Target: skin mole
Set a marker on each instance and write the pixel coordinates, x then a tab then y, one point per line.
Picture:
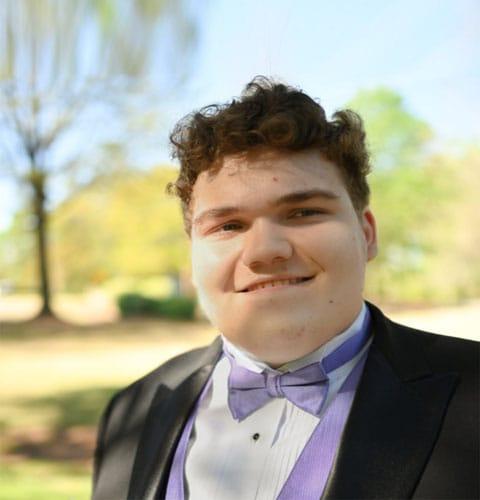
296	334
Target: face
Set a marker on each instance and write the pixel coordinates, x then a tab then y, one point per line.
279	252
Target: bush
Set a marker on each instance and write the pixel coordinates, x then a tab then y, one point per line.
134	304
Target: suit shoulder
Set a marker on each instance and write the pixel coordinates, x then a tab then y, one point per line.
131	403
442	353
459	354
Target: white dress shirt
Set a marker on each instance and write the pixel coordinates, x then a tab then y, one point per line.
252	459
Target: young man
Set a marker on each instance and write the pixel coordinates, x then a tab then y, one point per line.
309	392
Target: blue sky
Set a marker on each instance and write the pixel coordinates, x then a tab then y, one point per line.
427	50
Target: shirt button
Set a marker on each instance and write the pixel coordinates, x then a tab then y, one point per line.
256	436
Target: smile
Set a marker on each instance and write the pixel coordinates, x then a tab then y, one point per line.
276	284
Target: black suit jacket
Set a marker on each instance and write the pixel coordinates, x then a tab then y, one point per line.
413	430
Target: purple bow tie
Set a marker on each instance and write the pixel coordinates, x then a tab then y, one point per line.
248	391
306	388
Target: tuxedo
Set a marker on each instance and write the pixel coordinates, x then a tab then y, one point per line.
412	432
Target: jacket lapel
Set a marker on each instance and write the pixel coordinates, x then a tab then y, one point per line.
166	418
395	419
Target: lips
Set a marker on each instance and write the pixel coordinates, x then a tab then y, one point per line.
273	283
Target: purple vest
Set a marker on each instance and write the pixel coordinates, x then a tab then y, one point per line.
310	473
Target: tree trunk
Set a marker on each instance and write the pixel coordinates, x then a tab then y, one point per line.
41	216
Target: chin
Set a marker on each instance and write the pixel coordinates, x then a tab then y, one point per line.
267	339
275	352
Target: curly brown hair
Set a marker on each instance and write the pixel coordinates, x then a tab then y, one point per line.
273	116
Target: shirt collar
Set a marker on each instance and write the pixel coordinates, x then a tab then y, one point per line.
251	362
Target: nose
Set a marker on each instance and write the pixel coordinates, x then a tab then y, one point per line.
265	244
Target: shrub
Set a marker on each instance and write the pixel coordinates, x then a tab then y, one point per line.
135	304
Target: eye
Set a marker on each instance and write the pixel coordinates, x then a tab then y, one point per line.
229	226
306	212
225	228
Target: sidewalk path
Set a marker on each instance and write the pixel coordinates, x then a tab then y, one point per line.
459	321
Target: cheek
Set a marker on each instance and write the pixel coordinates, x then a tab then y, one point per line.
334	247
201	263
211	267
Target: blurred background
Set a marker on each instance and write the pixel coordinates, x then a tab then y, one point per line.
94	266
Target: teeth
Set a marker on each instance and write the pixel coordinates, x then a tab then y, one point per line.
275	283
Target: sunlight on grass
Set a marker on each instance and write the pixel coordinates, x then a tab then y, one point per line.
34	363
55	381
43	480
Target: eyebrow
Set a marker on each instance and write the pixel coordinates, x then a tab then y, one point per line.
294	197
298	196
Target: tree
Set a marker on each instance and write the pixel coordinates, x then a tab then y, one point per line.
65	64
128	227
395	136
413	197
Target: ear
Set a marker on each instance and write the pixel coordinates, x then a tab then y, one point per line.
369	227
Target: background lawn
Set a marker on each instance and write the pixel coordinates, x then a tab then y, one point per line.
55	380
44	480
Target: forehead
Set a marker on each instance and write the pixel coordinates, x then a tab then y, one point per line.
262	178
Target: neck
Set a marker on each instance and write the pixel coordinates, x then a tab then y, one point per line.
285	362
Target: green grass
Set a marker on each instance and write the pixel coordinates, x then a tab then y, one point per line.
73	408
44	480
55	380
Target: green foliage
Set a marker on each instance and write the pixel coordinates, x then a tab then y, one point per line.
395	136
124	225
122	228
157	286
420	202
429	232
178	308
134	304
17	250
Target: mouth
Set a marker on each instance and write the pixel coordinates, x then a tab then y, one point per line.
276	284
